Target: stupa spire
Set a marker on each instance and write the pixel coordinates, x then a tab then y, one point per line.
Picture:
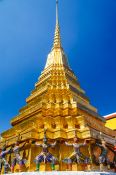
57	40
57	20
57	55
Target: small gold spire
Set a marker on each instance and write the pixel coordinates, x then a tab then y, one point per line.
57	40
56	11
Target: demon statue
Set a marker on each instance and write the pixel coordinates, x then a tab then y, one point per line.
17	159
45	156
103	158
77	155
3	161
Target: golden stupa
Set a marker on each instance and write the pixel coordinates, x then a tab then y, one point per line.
59	105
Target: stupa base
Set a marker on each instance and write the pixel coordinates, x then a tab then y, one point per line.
65	173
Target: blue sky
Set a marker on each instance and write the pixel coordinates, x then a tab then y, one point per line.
88	32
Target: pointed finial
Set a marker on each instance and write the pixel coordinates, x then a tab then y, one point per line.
57	41
56	11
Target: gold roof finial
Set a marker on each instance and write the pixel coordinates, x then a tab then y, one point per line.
57	40
56	11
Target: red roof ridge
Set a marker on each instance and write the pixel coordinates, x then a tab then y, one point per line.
110	116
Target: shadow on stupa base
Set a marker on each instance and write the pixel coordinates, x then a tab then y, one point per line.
64	173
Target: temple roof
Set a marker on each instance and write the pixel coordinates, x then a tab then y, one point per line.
110	116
